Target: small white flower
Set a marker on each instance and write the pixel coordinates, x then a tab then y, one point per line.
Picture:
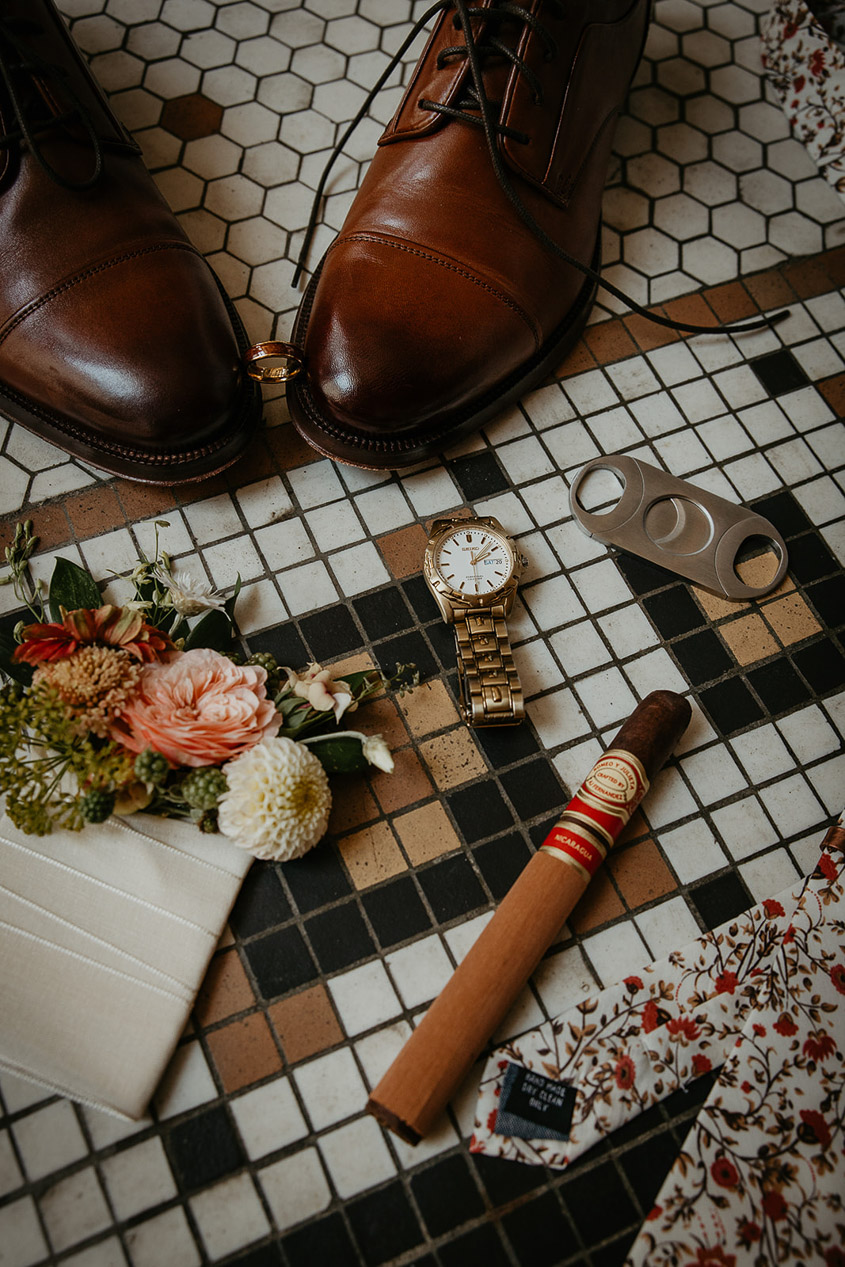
278	802
377	753
190	596
323	693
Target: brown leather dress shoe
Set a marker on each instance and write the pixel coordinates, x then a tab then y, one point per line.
116	341
447	293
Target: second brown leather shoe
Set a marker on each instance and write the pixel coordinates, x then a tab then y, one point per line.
116	342
447	294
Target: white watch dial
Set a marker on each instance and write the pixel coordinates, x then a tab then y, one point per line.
474	561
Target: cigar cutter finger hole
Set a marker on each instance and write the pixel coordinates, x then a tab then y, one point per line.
687	530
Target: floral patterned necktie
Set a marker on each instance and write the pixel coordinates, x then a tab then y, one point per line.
761	1175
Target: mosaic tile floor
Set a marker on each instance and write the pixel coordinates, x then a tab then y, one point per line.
256	1152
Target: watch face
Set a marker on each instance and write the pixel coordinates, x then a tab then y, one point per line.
474	561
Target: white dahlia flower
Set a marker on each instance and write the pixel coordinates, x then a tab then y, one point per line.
278	802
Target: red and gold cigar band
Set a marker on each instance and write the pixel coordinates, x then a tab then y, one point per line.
597	812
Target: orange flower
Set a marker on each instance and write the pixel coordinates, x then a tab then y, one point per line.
106	626
624	1073
724	1173
726	983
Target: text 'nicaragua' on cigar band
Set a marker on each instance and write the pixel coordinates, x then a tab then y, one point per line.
598	811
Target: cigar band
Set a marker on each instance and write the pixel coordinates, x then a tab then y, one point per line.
598	811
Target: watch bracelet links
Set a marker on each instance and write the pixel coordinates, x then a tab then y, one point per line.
491	694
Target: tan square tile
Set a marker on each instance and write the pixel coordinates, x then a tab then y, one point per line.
749	638
408	782
372	855
453	758
306	1023
403	551
360	663
641	874
244	1052
426	833
428	708
716	606
791	619
225	990
380	716
95	510
599	904
760	570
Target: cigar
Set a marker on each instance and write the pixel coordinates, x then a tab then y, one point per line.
442	1049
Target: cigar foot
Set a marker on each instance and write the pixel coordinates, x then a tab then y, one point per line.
392	1122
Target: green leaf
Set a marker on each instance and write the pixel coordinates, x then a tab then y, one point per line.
72	587
213	631
340	756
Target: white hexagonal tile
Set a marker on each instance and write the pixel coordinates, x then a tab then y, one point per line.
681	77
158	148
299	28
256	241
117	70
98	34
710	183
681	217
263	56
188	15
289	205
709	261
243	21
738	225
212	156
623	208
678	15
790	158
136	108
13	485
250	124
182	190
818	200
660	44
734	84
764	121
709	114
706	48
738	152
731	21
270	285
270	164
653	106
341	100
650	251
152	40
229	85
233	274
234	197
129	10
352	35
654	174
284	93
631	137
318	64
795	234
766	191
172	78
682	143
206	231
207	49
306	131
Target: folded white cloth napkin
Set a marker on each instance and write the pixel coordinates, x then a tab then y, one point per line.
105	936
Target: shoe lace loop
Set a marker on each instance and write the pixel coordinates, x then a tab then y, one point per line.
477	109
20	62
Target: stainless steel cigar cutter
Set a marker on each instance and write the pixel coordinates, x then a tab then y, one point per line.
680	527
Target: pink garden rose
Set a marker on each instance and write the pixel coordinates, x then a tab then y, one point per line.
199	709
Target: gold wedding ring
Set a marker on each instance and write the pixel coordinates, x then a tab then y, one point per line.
260	357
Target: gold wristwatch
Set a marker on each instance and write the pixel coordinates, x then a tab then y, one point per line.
472	569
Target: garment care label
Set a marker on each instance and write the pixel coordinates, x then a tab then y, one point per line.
533	1106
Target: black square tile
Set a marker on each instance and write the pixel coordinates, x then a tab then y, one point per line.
784	512
778	685
597	1219
339	937
316	879
396	911
280	962
534	788
204	1148
503	745
480	811
539	1232
674	611
447	1195
421	598
263	1256
779	372
442	638
730	706
384	1224
646	1165
642	576
284	642
685	1103
261	903
702	656
326	1241
383	613
408	648
828	598
823	665
331	633
479	476
721	899
504	1181
500	861
810	559
616	1253
540	831
482	1247
643	1124
452	887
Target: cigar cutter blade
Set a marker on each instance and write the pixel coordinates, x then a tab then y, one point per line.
680	527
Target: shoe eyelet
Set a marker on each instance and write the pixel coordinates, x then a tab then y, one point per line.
256	356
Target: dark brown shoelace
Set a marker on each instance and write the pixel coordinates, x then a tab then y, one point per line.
478	110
